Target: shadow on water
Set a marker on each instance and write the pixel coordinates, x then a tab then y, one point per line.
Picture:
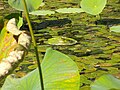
49	23
108	22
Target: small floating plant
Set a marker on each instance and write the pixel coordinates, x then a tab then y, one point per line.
60	40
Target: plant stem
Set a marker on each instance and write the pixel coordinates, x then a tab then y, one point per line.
99	17
35	44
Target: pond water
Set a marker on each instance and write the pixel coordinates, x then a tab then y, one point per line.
89	41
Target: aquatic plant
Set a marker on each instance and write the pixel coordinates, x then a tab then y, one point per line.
32	7
59	72
93	7
99	84
65	72
106	82
13	48
18	4
69	10
61	41
115	29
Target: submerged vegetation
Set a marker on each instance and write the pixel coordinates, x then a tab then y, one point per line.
71	27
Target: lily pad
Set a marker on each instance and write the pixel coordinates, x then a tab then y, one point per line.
115	29
59	73
93	7
18	4
69	10
59	40
42	12
106	82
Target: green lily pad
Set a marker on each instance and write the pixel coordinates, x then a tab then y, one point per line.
106	82
31	4
69	10
31	67
93	7
59	73
42	12
59	40
115	29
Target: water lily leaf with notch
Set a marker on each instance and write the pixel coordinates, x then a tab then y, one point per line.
106	82
115	29
93	7
42	12
69	10
59	73
31	4
58	40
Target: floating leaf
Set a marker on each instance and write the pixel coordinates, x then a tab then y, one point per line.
58	40
18	4
115	29
59	73
31	67
42	12
69	10
93	7
106	82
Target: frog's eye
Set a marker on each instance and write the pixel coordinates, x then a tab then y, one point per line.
12	28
